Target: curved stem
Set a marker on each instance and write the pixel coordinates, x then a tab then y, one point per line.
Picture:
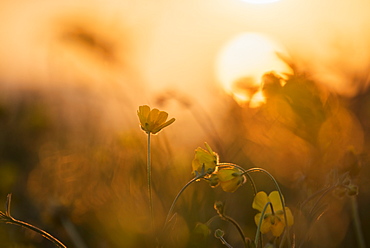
178	195
212	219
225	242
38	230
280	195
256	239
8	219
219	234
232	221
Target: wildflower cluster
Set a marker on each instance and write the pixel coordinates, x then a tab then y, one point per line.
206	165
273	215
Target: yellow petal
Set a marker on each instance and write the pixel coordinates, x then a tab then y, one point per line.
162	117
231	185
226	174
266	223
203	157
208	148
278	228
163	125
259	202
196	165
153	116
289	216
274	198
152	121
143	114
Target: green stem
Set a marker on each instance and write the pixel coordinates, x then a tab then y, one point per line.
232	221
223	240
212	219
280	195
149	174
357	223
38	230
8	219
257	238
178	195
220	235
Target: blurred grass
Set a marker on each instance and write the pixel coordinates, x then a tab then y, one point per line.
83	182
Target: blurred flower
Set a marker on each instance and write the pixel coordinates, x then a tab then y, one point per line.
219	233
201	231
205	161
153	121
230	178
219	207
273	219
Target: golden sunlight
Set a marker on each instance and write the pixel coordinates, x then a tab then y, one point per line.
242	63
260	1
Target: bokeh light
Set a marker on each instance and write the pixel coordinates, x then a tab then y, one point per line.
280	86
243	61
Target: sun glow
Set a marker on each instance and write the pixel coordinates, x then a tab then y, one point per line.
242	63
260	1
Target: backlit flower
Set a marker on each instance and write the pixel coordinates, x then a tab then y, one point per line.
153	121
205	161
230	178
273	219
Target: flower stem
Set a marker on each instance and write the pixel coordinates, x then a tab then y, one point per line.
149	175
178	195
38	230
280	194
232	221
220	235
223	240
8	219
357	223
257	238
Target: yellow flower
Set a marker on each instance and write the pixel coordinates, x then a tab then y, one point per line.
230	178
273	219
205	161
153	121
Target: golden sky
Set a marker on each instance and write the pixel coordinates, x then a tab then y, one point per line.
174	44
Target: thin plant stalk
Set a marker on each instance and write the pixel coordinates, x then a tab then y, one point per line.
220	235
38	230
149	179
8	219
178	195
246	172
257	238
357	223
232	221
223	241
280	195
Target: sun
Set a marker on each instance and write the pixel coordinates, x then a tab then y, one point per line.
244	60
